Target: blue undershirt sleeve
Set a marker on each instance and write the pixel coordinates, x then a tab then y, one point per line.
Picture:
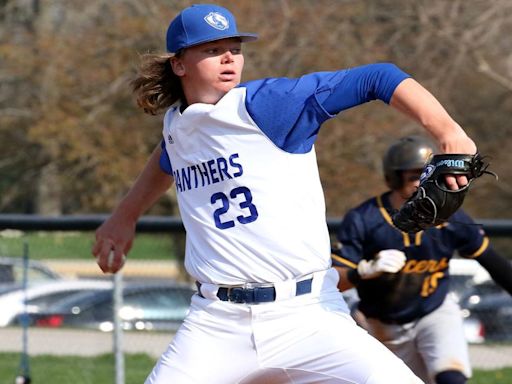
291	111
165	162
363	84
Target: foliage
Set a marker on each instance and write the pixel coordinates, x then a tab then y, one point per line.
72	141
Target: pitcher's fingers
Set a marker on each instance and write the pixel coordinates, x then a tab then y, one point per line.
451	183
102	247
110	259
96	247
127	247
462	180
118	264
116	260
103	256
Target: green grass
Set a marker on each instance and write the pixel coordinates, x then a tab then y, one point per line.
100	370
499	376
76	369
77	245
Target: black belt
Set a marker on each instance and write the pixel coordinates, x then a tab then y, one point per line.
255	295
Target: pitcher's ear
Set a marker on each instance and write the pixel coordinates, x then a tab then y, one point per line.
177	66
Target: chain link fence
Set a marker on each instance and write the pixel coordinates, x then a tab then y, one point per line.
68	302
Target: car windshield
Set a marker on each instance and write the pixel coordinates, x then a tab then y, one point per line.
83	299
11	271
45	301
149	297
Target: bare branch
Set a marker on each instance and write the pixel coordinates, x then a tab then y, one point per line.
485	68
16	112
113	88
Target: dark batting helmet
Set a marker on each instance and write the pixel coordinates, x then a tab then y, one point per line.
410	152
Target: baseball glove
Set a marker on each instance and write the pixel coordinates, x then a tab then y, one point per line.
433	203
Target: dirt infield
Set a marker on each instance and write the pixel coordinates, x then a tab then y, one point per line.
90	343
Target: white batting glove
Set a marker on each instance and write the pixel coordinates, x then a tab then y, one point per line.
388	260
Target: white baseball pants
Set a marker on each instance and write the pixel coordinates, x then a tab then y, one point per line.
432	344
306	339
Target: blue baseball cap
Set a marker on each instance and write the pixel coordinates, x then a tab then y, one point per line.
202	23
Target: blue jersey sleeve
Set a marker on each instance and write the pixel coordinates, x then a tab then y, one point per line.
165	162
291	111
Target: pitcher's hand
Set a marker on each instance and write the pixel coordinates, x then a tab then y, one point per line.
114	240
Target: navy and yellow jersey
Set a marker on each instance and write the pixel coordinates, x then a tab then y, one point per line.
422	284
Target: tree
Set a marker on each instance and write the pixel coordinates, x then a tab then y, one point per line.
69	127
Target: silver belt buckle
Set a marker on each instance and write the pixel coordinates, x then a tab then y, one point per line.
257	285
230	287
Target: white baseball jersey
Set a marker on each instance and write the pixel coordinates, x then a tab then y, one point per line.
250	197
246	176
253	212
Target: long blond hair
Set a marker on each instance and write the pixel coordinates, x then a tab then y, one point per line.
156	86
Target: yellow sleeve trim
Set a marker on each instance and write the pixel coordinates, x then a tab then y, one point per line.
483	247
343	261
383	211
405	236
417	238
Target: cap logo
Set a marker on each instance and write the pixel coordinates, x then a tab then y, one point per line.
217	21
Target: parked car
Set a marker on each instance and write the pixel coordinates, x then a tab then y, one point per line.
42	296
146	306
464	274
474	330
11	273
492	305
